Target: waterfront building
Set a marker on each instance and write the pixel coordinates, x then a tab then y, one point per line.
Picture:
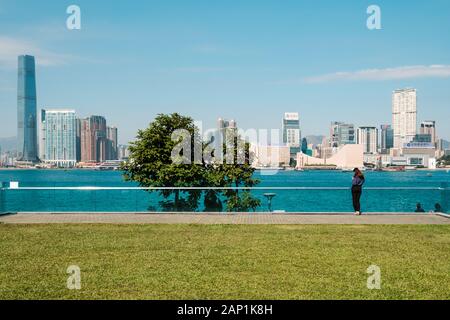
93	139
347	157
78	139
270	156
429	128
60	137
292	133
27	140
404	116
41	135
341	134
423	137
419	154
112	144
368	137
124	152
386	138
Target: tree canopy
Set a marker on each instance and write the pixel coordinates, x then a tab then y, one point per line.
152	164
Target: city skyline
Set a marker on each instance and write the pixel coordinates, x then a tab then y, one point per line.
205	68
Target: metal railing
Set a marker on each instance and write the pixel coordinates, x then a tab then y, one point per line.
281	199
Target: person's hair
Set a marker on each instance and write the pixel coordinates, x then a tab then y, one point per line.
358	173
418	205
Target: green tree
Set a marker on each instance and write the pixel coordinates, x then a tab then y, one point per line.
150	162
233	171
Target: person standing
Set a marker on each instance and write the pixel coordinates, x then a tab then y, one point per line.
357	184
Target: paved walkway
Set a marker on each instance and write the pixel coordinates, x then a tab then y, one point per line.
136	218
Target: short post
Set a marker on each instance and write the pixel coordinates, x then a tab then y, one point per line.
269	197
445	197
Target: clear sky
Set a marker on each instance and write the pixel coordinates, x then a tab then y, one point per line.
247	60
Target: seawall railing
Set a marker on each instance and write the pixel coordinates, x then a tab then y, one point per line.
272	199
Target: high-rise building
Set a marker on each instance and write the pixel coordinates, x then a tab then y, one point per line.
124	152
341	134
429	127
291	133
368	137
226	126
78	138
60	137
27	141
404	116
41	135
387	138
112	144
93	139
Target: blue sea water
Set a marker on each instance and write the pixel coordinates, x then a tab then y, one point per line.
403	200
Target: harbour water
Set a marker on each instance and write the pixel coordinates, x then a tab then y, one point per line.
384	191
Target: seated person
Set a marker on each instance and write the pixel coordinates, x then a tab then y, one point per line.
419	208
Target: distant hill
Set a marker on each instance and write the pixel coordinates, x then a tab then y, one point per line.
8	144
315	140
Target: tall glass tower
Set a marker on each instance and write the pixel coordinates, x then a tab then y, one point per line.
27	148
60	137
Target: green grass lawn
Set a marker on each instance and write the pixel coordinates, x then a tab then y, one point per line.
224	261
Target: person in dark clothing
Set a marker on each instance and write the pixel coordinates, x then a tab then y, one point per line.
437	208
419	208
357	184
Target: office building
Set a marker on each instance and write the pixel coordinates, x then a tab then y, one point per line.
368	138
226	128
112	144
78	139
27	135
429	128
292	133
41	135
341	134
93	139
60	137
386	138
404	116
423	138
124	152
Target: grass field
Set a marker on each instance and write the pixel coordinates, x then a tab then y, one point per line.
224	261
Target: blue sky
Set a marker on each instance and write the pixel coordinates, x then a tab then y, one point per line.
247	60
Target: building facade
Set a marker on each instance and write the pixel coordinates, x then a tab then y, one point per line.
368	137
292	133
404	116
93	139
60	137
341	134
429	128
386	138
27	135
112	144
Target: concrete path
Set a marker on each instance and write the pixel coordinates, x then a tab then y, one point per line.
146	218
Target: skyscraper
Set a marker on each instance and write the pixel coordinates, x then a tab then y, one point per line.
60	137
27	144
404	116
387	138
93	139
368	137
292	133
341	134
112	145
